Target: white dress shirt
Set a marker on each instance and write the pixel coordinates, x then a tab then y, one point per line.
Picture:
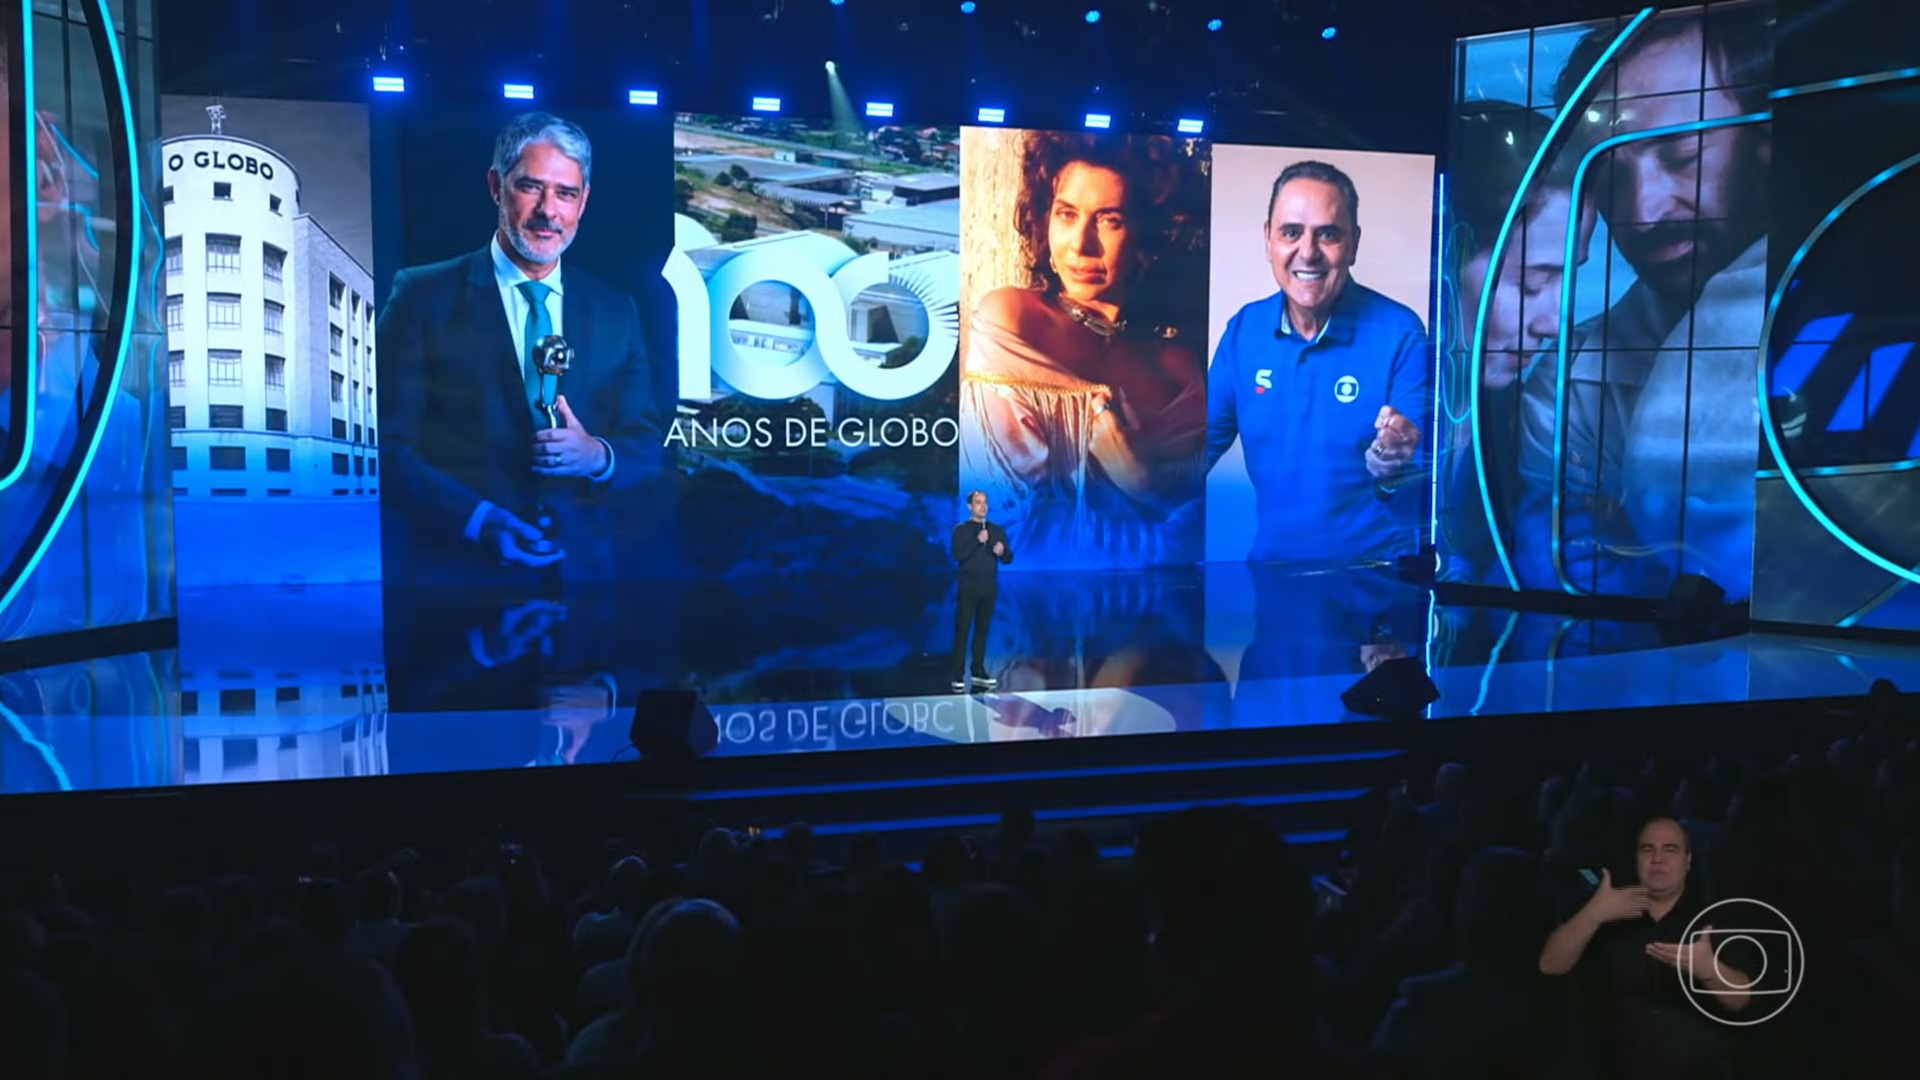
508	277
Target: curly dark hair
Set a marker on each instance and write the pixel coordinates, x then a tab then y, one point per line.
1166	196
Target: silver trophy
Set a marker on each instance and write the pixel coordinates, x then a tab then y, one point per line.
552	356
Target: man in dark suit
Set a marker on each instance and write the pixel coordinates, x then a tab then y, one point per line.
477	486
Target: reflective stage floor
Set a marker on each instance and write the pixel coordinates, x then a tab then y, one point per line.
276	684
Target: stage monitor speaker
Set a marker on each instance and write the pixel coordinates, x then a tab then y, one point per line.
672	725
1693	600
1397	689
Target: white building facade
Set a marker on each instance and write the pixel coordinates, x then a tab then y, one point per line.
272	391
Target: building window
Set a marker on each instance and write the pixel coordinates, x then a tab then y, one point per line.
276	419
279	460
373	437
373	466
176	457
359	465
231	417
223	311
341	491
333	341
230	493
273	203
339	388
279	493
223	367
276	373
223	254
356	433
276	317
227	458
339	467
339	428
176	368
275	262
369	399
176	257
166	195
176	313
176	416
223	191
336	289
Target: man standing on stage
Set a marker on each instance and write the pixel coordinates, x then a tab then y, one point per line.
979	547
1326	384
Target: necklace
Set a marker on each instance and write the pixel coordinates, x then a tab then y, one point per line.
1092	319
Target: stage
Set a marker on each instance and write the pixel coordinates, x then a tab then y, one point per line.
329	682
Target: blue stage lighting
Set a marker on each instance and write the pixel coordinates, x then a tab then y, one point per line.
517	91
1215	25
836	3
643	97
992	116
1190	126
1099	121
1330	33
766	104
880	110
967	7
389	84
1093	15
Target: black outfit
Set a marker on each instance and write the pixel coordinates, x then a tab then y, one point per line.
979	588
1647	1024
456	428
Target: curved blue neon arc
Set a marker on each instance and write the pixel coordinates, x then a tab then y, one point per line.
106	389
1476	354
26	351
1569	269
1768	428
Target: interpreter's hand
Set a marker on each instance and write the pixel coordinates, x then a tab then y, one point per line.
516	541
1609	904
1394	441
1696	955
568	451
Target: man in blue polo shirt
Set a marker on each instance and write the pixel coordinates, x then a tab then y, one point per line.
1326	381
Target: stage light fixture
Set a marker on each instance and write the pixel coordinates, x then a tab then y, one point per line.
514	91
389	84
880	110
832	68
1215	25
1099	121
1190	126
766	104
643	97
837	3
1329	33
968	7
992	116
1093	16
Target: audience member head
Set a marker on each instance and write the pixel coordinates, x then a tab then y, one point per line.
376	895
796	844
311	1016
1229	906
947	862
33	1027
325	911
22	939
478	903
690	964
440	975
630	884
1501	913
1451	785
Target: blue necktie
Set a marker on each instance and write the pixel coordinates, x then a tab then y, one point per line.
539	326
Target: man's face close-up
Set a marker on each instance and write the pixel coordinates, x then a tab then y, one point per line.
1676	200
540	202
1311	243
